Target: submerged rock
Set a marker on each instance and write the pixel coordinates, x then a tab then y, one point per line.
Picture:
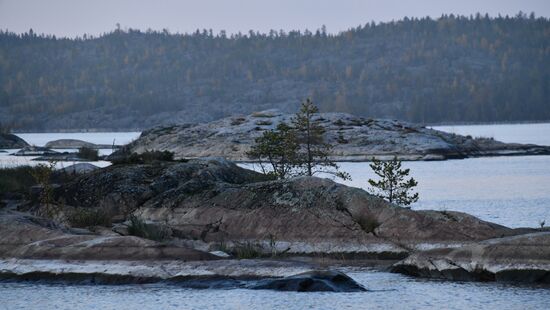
213	274
312	281
11	141
354	139
523	258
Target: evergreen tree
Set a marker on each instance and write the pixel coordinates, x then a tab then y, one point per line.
393	185
277	149
314	151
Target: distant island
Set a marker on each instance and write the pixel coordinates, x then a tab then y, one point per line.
451	69
352	138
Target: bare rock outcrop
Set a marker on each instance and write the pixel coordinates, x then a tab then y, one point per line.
354	139
215	201
26	236
523	258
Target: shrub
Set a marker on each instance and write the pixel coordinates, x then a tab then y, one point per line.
237	121
339	122
16	180
341	138
42	174
89	217
88	153
247	250
139	228
368	224
143	158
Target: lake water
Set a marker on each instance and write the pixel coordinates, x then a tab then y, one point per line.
514	191
389	291
40	139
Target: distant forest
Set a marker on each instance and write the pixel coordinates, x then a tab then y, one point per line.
451	69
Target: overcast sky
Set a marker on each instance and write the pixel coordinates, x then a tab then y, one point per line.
76	17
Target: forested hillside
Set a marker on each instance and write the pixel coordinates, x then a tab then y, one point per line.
452	69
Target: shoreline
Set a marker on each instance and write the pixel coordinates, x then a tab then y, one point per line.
108	130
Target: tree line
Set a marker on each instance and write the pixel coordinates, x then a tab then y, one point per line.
450	69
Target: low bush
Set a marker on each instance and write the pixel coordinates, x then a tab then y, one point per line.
368	224
17	180
137	227
88	153
237	121
89	217
143	158
247	250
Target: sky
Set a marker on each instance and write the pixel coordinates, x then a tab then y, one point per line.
71	18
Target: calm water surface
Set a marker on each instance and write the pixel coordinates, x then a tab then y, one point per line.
389	291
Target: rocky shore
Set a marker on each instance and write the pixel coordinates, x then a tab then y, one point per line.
523	258
207	218
354	139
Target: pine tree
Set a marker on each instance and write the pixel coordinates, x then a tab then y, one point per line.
314	151
276	149
393	185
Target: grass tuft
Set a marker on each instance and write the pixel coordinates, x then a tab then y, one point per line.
139	228
89	217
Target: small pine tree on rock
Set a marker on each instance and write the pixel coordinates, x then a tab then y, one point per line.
393	185
314	150
276	151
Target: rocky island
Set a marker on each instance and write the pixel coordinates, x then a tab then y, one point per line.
76	144
210	223
11	141
353	139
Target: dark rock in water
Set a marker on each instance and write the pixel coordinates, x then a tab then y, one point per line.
523	258
35	151
207	282
228	275
11	141
75	144
76	278
312	281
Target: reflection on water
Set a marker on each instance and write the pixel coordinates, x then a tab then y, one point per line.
389	291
